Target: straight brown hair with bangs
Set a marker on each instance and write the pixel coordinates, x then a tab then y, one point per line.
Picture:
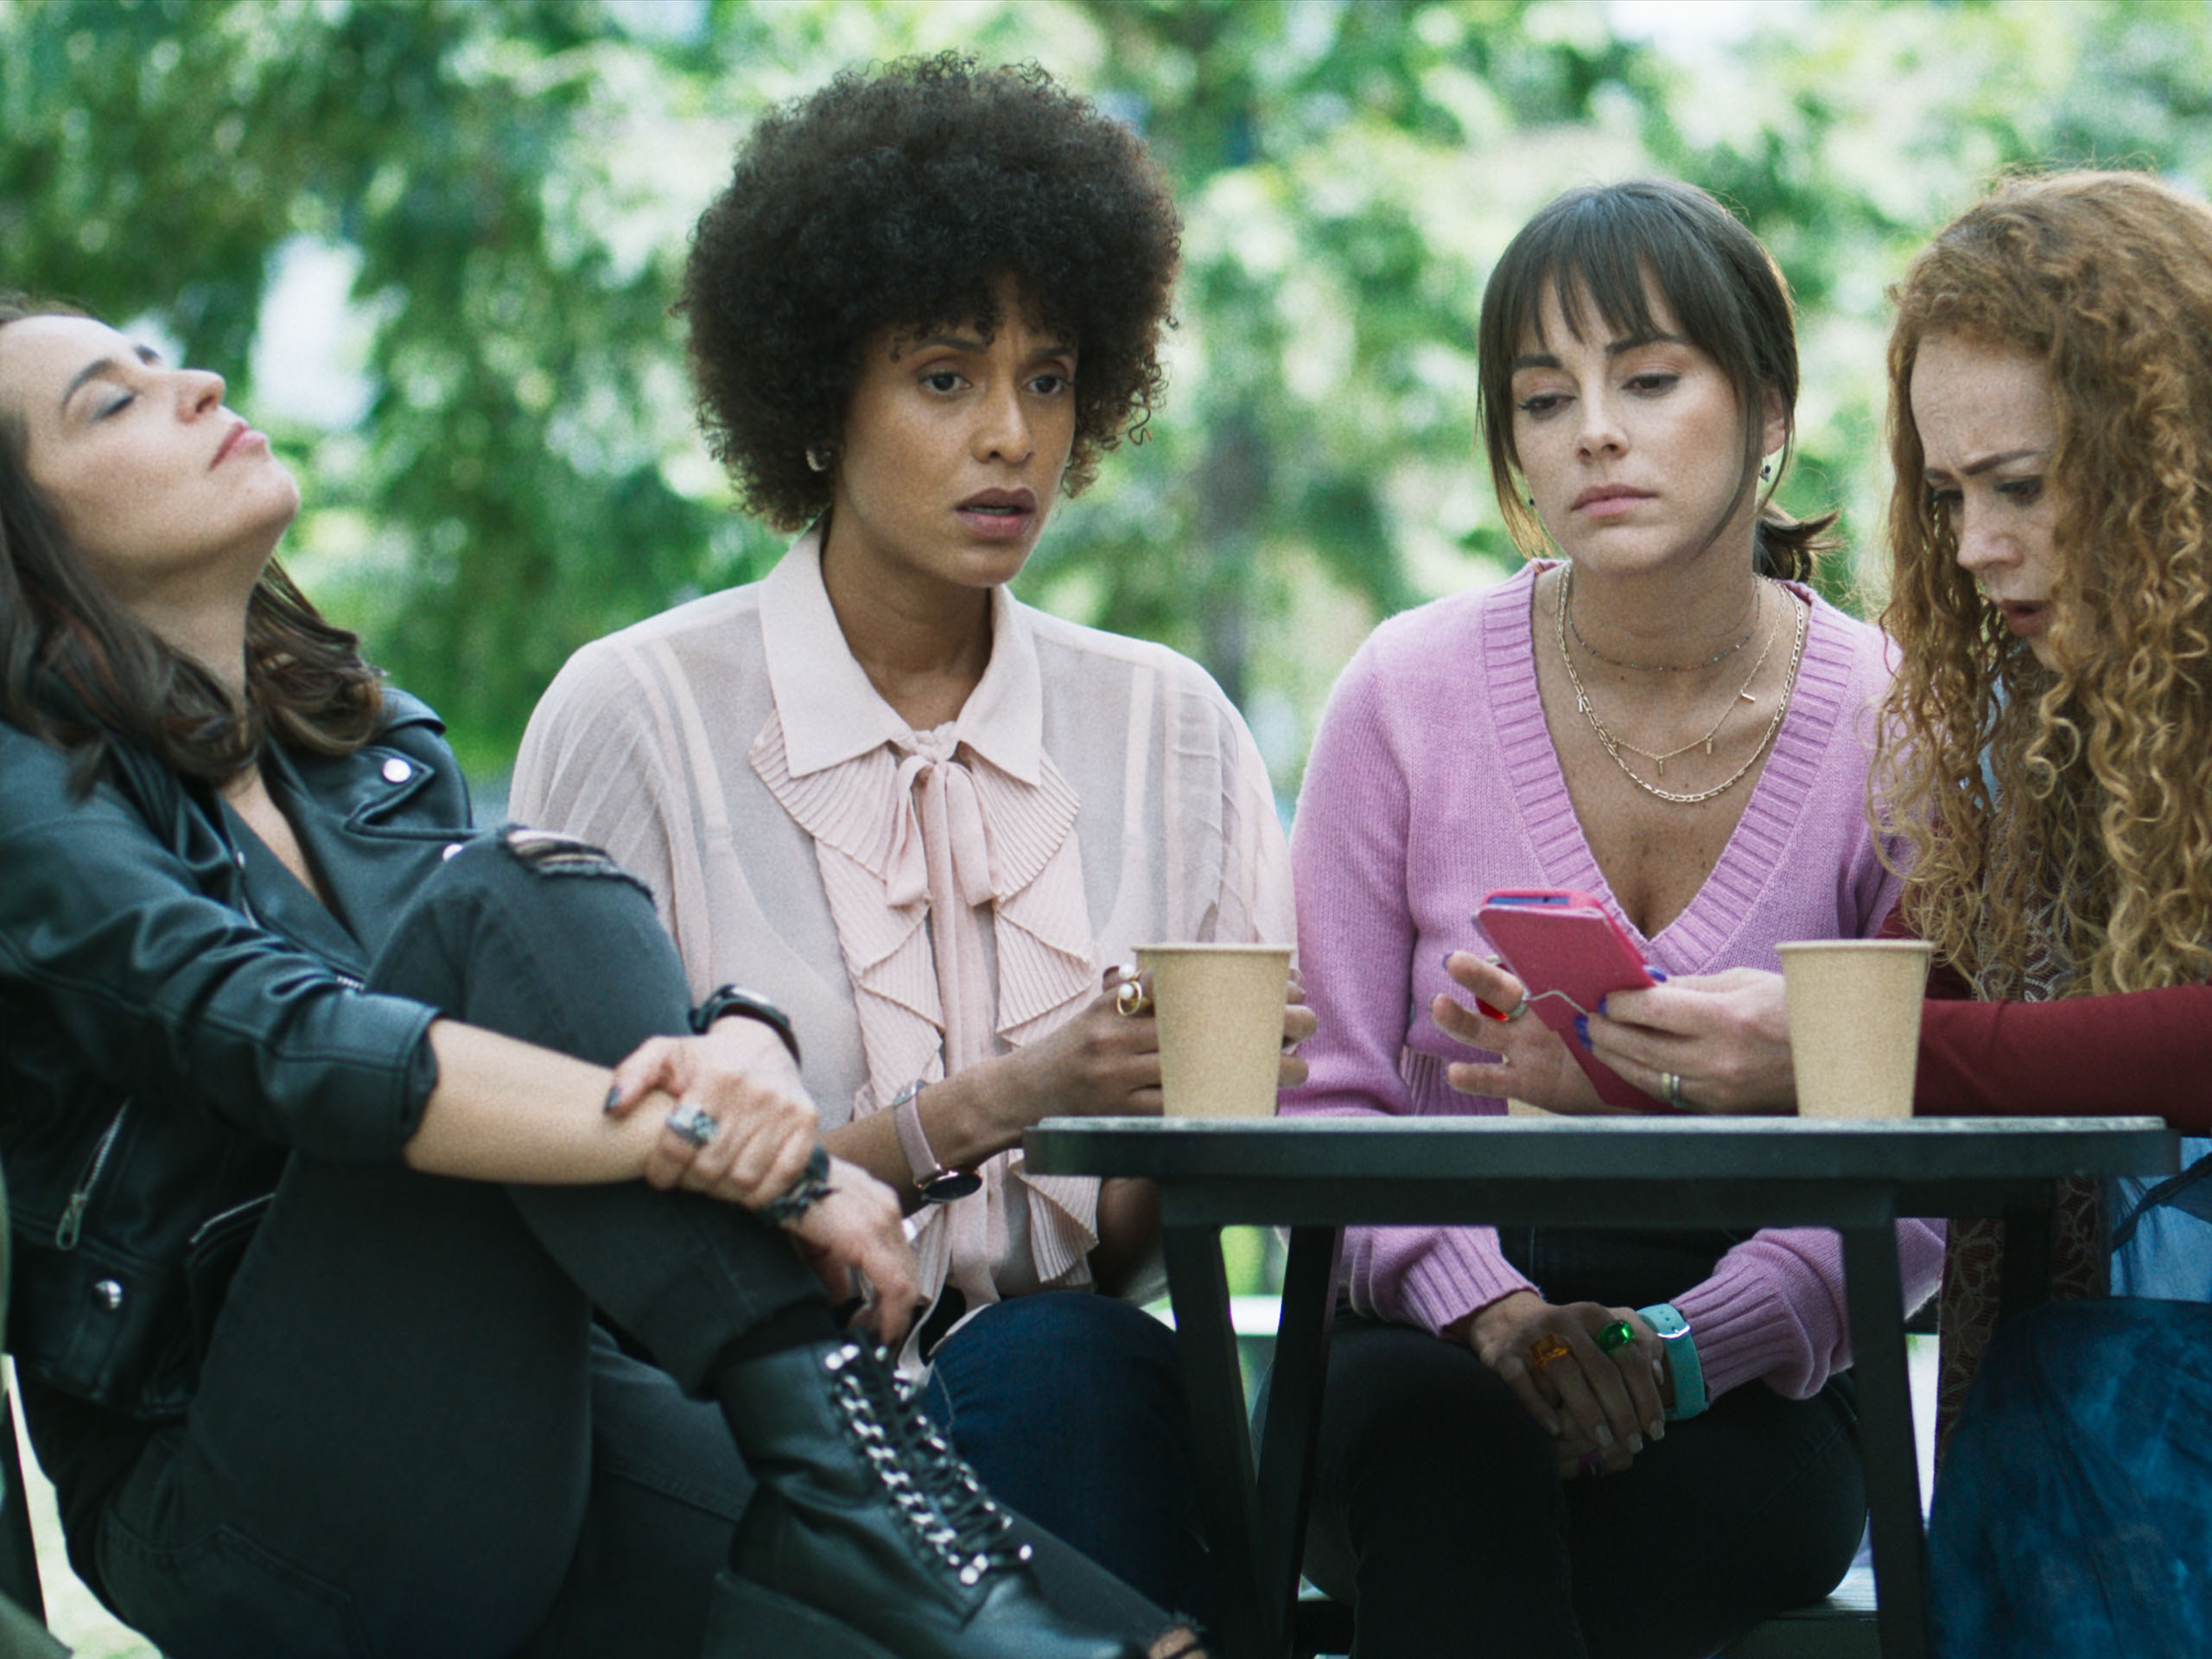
79	672
1612	248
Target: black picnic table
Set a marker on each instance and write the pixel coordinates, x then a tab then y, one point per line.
1317	1175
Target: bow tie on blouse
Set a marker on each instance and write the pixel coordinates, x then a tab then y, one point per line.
941	851
940	841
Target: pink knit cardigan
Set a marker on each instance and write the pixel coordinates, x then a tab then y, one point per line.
1433	781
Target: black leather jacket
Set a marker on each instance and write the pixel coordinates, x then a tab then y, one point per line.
177	1014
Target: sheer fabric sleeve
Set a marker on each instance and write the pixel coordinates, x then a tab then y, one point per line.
595	764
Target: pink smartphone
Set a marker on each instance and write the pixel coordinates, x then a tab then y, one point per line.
1571	954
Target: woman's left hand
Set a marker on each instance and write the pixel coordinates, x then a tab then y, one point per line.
1725	1036
1533	1065
739	1078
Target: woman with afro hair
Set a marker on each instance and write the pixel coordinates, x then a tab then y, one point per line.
932	818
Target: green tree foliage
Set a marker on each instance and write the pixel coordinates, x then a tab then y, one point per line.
505	185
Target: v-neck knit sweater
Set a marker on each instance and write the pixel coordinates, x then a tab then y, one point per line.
1433	781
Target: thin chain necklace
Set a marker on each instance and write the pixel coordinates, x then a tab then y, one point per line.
1614	745
1751	626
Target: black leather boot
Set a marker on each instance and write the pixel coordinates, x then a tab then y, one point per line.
868	1538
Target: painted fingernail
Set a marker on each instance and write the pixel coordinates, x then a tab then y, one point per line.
1604	1436
614	1098
1582	1029
1658	1427
1635	1442
1659	974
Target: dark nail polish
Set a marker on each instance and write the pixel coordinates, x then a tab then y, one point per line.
1659	974
614	1098
1582	1029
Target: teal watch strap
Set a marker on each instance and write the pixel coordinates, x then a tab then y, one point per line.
1668	1324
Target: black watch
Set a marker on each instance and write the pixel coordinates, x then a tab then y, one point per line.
735	999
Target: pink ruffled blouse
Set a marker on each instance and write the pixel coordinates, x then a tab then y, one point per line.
917	900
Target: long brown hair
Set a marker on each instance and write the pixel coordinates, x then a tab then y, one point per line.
79	672
1611	247
2066	812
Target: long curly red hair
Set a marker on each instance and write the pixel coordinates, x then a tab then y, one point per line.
2067	811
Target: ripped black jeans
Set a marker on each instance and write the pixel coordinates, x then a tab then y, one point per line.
409	1437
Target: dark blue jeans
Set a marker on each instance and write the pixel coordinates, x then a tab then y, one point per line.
1069	1406
2074	1517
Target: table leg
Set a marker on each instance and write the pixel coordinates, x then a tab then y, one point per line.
1293	1430
1876	1303
2023	1279
1213	1386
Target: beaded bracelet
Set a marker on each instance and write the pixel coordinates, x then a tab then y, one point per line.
1668	1324
811	1187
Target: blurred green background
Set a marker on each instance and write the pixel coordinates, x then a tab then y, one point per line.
432	244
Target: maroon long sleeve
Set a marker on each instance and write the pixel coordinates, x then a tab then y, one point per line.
2131	1053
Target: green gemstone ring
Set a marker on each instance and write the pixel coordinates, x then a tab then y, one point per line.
1619	1334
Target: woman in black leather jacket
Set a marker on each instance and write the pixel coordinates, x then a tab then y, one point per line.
264	997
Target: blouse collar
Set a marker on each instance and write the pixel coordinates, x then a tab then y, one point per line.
832	713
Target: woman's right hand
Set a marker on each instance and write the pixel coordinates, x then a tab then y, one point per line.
1101	1064
1610	1400
1105	1062
760	1125
1533	1063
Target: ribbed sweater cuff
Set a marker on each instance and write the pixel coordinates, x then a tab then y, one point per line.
1427	1276
1743	1330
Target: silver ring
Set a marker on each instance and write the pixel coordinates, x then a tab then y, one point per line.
1670	1086
694	1124
1517	1009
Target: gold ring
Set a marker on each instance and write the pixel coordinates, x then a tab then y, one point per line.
1546	1348
1130	1000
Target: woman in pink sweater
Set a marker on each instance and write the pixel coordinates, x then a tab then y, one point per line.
1513	1459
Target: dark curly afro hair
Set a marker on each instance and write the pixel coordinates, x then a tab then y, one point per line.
903	199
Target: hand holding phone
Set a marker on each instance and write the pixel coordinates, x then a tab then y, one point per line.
1566	947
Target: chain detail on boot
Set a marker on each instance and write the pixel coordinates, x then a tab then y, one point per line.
934	1491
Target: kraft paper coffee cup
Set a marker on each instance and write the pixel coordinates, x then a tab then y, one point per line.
1854	1024
1220	1008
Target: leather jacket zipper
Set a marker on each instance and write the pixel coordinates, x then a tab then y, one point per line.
73	1213
221	1216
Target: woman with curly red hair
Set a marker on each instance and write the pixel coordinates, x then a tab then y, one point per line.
2048	749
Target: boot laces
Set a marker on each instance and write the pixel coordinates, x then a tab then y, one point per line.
935	1493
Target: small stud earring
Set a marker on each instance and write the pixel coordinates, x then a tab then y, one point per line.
1766	470
818	458
1532	500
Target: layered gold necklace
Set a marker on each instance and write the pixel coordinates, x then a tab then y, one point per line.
1614	745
